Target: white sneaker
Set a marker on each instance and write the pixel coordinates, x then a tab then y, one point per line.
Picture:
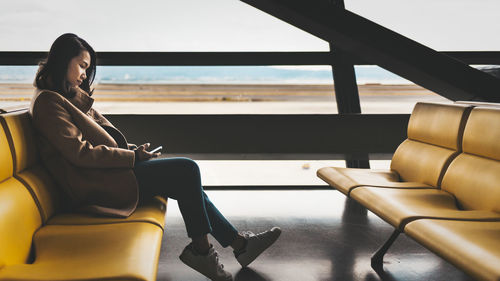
256	244
207	265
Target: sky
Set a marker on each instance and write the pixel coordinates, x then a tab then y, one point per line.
231	25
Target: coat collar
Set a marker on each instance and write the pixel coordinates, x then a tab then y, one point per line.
81	100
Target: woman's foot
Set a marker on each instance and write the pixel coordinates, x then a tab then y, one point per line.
255	245
207	264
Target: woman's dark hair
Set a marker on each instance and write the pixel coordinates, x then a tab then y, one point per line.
53	71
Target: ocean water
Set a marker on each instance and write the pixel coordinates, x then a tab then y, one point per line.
213	75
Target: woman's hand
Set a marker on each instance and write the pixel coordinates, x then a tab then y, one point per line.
142	154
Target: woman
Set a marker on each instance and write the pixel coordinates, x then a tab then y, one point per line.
103	174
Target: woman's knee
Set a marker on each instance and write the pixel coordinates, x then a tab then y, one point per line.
189	165
188	173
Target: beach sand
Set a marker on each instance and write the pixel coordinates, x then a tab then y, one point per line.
234	98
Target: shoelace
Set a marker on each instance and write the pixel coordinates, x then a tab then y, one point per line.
247	234
216	260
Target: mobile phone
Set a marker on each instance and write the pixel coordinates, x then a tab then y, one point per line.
158	149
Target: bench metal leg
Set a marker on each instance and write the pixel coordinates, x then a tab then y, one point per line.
378	257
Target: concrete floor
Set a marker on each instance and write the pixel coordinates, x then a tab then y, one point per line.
325	237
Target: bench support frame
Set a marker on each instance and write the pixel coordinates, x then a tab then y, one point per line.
378	258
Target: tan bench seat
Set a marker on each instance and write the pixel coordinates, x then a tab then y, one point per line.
471	246
434	139
347	179
458	218
398	207
469	189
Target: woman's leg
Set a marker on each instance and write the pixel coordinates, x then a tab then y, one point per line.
179	179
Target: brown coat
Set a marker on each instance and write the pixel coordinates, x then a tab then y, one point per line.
88	157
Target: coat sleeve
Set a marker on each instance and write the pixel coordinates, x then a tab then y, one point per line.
54	122
99	118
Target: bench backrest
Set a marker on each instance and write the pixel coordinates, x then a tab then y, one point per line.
474	175
434	140
19	214
28	167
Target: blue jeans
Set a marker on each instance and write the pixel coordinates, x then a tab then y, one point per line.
179	179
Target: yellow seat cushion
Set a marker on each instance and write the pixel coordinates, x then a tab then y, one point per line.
28	167
45	192
19	219
152	212
23	137
6	168
470	245
346	179
474	176
125	251
438	124
38	181
482	133
434	138
420	162
400	206
474	181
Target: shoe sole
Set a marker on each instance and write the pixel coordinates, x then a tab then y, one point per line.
227	279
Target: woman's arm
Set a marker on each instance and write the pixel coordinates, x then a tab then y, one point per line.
54	122
99	118
103	121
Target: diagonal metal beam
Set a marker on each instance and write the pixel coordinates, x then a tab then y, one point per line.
376	44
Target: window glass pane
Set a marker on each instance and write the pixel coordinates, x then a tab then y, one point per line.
264	172
195	90
270	172
444	25
228	90
381	91
149	25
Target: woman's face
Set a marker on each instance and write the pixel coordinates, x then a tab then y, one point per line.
77	67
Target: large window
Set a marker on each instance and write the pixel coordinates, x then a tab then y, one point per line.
227	25
233	26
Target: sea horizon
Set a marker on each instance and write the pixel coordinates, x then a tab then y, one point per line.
251	75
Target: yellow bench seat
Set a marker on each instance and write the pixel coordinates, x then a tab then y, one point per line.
37	180
456	151
40	240
126	251
347	179
455	240
151	212
434	133
399	206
